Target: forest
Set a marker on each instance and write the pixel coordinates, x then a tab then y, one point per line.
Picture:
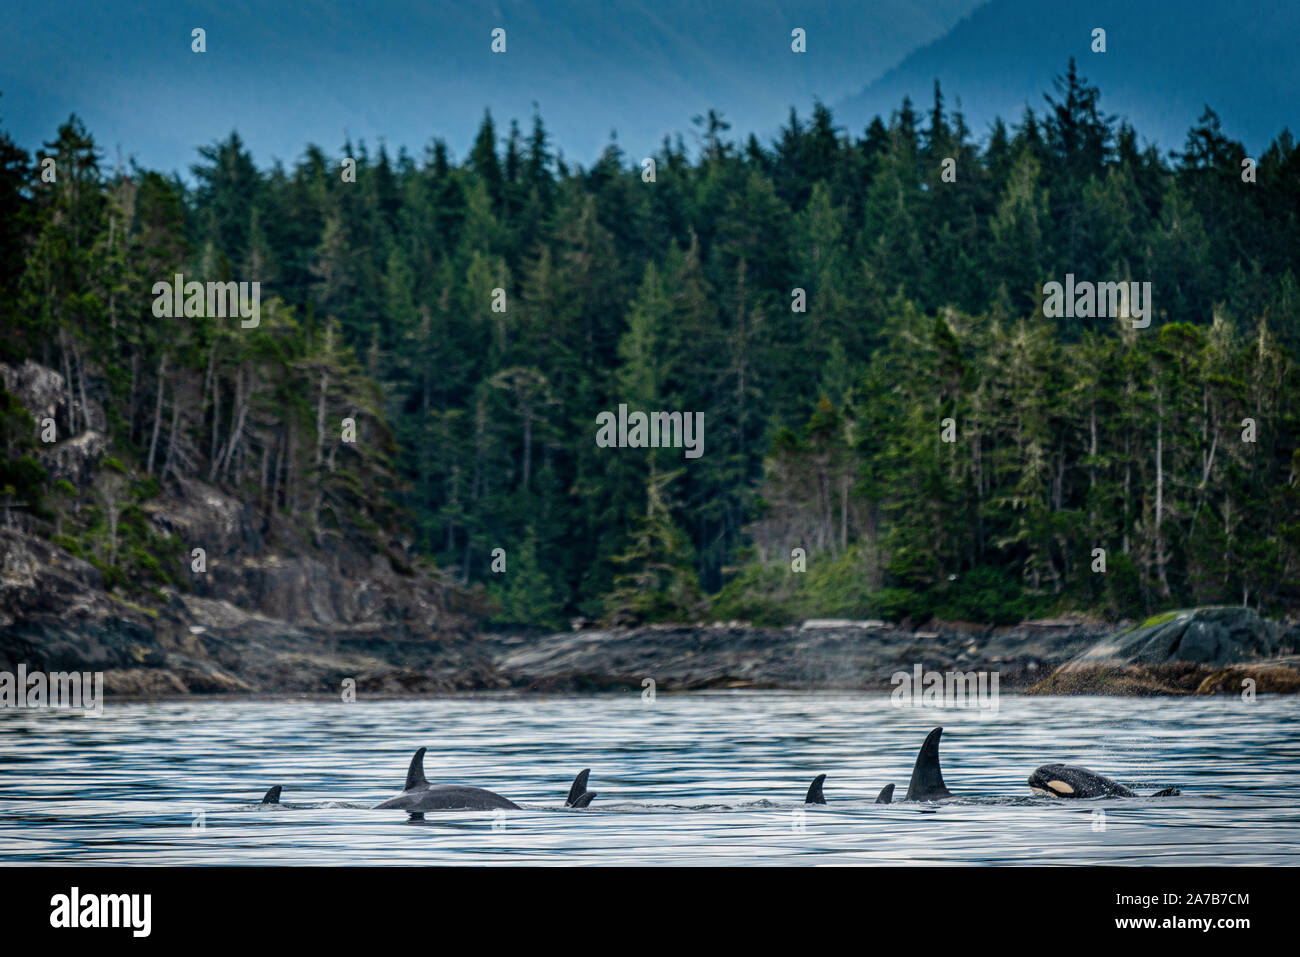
893	428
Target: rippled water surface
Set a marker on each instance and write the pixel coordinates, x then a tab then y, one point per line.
704	778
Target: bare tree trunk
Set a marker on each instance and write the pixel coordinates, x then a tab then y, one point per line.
81	386
844	513
320	417
237	430
213	460
528	443
157	413
171	435
290	487
212	397
67	383
1128	476
135	380
320	455
1160	496
1092	465
279	469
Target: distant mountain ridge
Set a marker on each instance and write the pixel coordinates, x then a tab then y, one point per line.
411	70
1164	61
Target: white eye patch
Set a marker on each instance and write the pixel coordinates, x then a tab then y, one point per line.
1060	787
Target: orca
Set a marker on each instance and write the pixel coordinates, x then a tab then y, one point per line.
272	796
1069	781
814	795
579	796
927	780
419	796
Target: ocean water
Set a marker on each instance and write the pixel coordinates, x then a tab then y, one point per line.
699	778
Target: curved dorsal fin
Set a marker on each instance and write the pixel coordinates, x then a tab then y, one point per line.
585	799
927	780
886	795
272	796
815	795
415	773
576	791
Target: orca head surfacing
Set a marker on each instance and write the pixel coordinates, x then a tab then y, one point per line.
927	780
814	795
1070	781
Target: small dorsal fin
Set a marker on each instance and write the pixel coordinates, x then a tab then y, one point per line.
576	791
927	780
815	795
886	795
1167	792
272	796
415	773
584	799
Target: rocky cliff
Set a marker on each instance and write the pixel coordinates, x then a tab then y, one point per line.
299	626
1196	650
262	609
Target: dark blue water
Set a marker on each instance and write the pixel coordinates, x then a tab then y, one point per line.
704	778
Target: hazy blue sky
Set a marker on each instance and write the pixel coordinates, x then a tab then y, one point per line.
408	71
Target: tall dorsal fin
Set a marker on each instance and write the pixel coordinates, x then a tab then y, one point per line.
415	773
815	795
576	791
927	780
585	799
886	795
272	796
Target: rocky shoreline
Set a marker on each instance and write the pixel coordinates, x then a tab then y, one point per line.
56	616
273	613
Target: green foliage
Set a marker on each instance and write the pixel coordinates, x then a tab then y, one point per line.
22	480
986	594
528	596
822	427
657	581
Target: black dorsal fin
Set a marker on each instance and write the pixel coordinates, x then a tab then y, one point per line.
415	773
272	796
585	799
1167	792
815	795
576	791
927	780
886	795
